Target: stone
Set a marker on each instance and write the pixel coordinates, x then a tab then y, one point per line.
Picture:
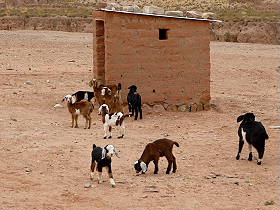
146	109
172	108
87	185
165	105
28	83
193	14
158	108
114	6
200	107
182	108
58	106
174	13
153	10
209	15
132	8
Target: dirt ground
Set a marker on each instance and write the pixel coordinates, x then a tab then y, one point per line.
45	163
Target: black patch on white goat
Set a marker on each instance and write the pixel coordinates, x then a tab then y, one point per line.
80	95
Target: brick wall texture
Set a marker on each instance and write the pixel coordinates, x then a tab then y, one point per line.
173	71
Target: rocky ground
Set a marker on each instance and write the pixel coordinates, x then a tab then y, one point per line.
45	163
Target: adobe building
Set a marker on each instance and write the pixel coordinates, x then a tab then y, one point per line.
166	57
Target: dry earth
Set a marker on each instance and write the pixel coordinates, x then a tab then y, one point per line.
45	163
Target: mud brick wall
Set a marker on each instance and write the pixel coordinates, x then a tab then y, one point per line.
173	71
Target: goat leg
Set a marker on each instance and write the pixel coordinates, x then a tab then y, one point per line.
250	158
111	179
241	143
156	166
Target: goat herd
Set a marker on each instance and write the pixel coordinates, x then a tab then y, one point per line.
112	112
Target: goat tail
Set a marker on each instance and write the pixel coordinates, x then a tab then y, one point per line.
93	146
176	143
126	115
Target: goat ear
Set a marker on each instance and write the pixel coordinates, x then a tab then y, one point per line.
240	118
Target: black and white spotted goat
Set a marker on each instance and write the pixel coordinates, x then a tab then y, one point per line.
255	135
134	102
110	120
82	94
102	158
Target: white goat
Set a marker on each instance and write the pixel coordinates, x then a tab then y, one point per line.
110	120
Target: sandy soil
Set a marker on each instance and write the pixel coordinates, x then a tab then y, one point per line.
45	163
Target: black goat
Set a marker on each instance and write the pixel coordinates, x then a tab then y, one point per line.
80	95
134	102
254	133
103	158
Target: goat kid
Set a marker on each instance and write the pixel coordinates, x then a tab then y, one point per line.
82	107
110	120
153	151
102	158
255	135
134	102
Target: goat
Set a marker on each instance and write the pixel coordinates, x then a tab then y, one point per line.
102	156
82	107
110	120
97	91
80	95
110	95
153	151
255	135
134	102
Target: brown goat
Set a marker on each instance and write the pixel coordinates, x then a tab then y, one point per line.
153	151
110	95
83	107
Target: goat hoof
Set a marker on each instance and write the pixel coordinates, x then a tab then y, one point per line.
250	158
237	157
167	172
109	137
113	185
120	137
155	172
259	163
105	137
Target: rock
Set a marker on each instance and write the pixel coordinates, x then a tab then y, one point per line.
153	10
172	108
209	15
158	108
13	119
28	83
200	107
28	170
193	107
58	106
9	69
48	81
182	108
114	6
193	14
174	13
147	109
144	196
165	105
165	134
87	185
133	8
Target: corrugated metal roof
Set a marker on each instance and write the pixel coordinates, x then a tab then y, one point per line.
154	15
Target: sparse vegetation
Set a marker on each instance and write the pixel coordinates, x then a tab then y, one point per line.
269	203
